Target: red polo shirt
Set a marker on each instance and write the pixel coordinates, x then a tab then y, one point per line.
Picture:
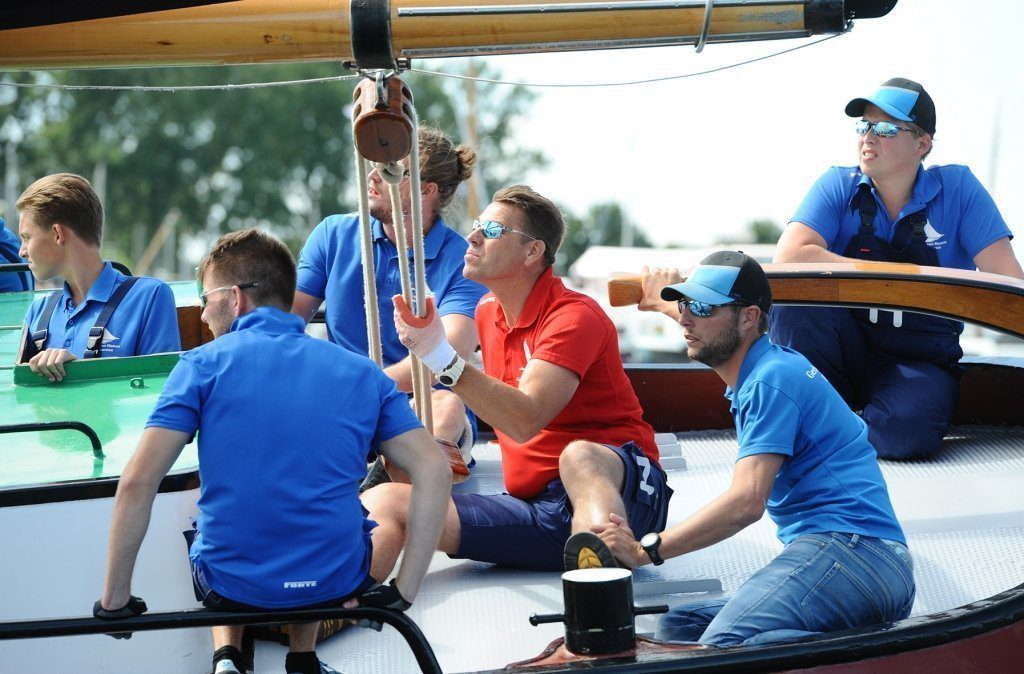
570	330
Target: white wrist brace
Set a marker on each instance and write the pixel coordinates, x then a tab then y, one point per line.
438	359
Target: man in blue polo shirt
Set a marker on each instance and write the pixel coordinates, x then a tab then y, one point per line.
804	455
10	247
280	522
900	369
329	267
95	314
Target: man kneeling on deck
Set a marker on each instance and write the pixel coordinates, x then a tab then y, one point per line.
574	445
280	524
802	454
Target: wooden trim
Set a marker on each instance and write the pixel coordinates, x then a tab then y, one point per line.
990	300
251	31
191	329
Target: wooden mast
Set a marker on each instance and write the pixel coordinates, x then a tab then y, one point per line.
252	31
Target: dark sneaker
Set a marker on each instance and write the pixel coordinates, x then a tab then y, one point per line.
376	474
225	666
585	550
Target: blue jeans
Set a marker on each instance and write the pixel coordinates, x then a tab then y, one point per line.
819	583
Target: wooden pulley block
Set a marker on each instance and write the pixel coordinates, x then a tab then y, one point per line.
383	118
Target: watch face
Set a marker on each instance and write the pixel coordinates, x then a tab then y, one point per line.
649	540
445	379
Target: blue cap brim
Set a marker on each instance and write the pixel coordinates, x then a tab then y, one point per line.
694	291
893	101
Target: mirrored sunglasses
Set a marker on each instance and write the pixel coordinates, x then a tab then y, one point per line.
494	230
701	309
881	129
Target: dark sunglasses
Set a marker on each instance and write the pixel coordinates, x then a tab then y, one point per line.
494	230
703	309
882	129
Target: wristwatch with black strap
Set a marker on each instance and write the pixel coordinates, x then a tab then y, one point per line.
650	543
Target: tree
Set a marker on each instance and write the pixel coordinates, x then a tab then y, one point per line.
205	162
764	231
605	224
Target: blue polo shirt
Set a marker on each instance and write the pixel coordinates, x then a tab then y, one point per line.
962	217
146	321
830	480
280	522
330	267
10	246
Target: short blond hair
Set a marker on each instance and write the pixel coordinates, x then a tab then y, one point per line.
68	199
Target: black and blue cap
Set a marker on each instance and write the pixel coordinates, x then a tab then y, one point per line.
901	99
723	278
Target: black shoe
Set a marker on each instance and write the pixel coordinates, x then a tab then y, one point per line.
584	550
299	663
228	660
376	474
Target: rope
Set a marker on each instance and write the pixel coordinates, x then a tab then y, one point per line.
431	73
370	302
393	174
419	267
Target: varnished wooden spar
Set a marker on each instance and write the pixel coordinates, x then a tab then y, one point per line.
251	31
989	300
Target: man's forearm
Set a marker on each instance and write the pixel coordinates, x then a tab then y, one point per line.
503	407
132	509
401	373
431	492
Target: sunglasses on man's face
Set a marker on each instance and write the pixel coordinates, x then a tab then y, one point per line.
494	230
204	295
702	309
881	129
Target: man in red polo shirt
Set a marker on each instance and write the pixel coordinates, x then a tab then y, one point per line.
574	445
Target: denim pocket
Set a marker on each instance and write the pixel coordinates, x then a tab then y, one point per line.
840	600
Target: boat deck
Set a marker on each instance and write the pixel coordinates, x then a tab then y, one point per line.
963	514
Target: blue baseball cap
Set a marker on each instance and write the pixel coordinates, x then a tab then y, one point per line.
723	278
901	99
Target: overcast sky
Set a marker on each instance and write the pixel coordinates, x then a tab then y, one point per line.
695	159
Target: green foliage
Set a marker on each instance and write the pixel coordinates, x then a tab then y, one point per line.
215	160
603	225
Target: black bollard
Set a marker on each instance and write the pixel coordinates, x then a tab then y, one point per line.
598	611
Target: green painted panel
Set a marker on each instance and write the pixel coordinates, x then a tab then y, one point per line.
114	396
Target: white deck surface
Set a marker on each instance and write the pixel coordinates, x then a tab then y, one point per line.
963	514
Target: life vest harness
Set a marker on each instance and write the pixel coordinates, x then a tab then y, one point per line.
912	336
36	341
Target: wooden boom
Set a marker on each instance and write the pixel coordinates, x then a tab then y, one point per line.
989	300
155	32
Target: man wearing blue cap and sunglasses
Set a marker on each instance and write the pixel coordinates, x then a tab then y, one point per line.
804	456
900	369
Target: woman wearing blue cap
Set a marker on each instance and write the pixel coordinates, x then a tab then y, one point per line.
900	369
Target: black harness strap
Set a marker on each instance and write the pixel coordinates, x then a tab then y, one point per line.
370	31
92	347
42	331
868	209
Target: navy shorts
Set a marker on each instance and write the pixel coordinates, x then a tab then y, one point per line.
531	533
217	602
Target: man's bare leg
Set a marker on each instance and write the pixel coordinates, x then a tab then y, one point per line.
230	637
592	476
449	414
388	505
